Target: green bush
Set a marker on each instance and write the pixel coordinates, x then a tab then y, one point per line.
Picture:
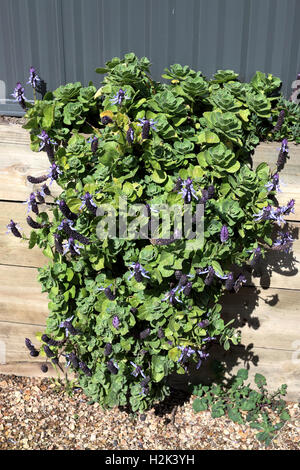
126	313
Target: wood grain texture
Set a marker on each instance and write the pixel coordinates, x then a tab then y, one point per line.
21	299
278	366
15	251
17	161
267	318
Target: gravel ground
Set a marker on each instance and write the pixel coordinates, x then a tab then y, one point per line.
35	414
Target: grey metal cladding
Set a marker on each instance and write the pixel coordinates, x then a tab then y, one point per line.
67	39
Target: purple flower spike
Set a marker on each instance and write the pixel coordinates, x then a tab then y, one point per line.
229	282
186	353
286	210
279	121
188	191
69	328
54	173
94	141
203	356
119	97
273	185
147	124
13	228
256	256
89	203
112	367
66	211
116	322
224	235
34	79
145	386
239	282
18	94
138	272
47	145
171	297
283	153
284	242
137	370
130	135
72	247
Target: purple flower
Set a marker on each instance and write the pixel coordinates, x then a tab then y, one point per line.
137	370
273	185
13	228
138	272
66	211
72	359
32	223
45	191
34	79
203	323
54	172
270	213
112	367
18	94
145	333
203	356
46	141
119	97
211	191
130	135
144	385
239	282
224	235
279	121
178	184
284	242
89	203
58	243
186	353
32	204
69	328
108	293
229	282
94	141
171	297
85	369
72	247
283	153
147	124
116	322
66	226
256	255
187	190
37	180
107	349
286	210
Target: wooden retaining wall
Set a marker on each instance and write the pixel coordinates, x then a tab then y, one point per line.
267	310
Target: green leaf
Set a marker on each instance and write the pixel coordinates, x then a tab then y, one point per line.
200	404
32	240
48	252
48	116
243	374
260	380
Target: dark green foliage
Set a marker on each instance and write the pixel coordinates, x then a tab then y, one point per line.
198	129
260	409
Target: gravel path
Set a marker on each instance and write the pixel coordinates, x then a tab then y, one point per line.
36	414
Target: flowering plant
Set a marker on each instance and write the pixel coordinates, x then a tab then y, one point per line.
126	313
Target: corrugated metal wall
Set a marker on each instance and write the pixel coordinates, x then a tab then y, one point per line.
67	39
